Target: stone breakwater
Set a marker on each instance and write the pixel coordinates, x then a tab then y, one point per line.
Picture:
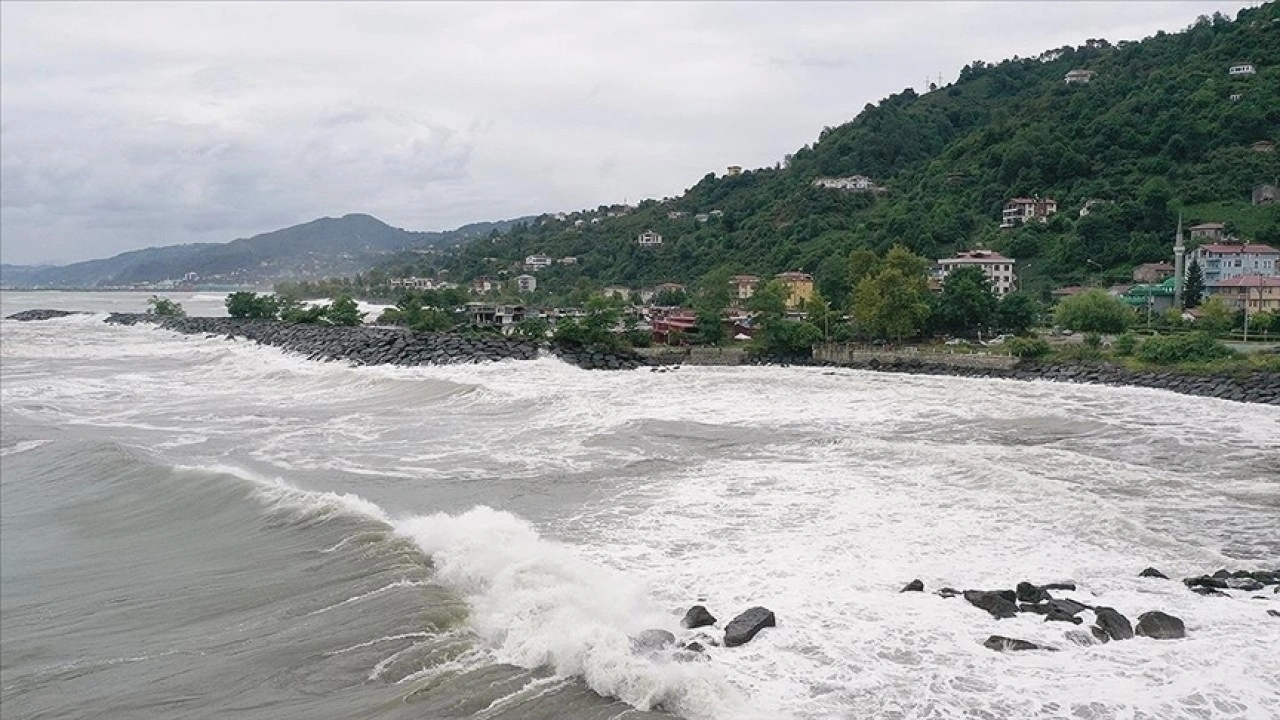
378	345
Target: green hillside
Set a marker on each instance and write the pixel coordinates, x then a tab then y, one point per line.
1156	132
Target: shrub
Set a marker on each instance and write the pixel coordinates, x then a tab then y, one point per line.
1027	347
1192	347
164	307
1093	340
1125	344
344	311
1094	311
1079	352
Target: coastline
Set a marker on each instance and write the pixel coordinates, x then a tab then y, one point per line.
385	345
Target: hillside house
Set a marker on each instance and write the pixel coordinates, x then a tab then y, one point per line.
1152	272
1235	97
526	283
852	183
733	171
1241	69
535	263
1251	293
744	286
414	283
1022	210
616	291
503	317
1263	146
1152	297
484	285
1209	231
716	213
570	260
649	238
1219	261
667	328
997	268
676	214
702	217
799	287
1265	194
1078	77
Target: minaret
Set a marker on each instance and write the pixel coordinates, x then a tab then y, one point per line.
1179	268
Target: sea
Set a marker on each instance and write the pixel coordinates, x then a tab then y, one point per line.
200	527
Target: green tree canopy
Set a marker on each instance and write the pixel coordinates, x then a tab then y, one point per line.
967	303
1094	311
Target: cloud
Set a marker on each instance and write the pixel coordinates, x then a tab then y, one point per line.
127	125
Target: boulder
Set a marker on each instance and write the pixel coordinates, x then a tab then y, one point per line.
948	592
696	617
1161	626
1274	613
1205	581
1060	586
1153	573
1080	637
1057	615
913	586
1029	593
1100	635
743	628
993	601
1247	584
652	640
1000	643
1115	625
1209	592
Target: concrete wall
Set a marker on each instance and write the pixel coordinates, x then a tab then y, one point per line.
861	355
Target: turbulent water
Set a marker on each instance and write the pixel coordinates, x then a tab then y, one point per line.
195	528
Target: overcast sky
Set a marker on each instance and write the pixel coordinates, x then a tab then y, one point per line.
126	126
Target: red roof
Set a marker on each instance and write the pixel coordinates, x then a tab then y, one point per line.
1256	249
1249	281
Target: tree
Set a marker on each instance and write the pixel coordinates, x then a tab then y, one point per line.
532	329
252	305
1193	287
889	305
818	313
862	263
344	311
164	307
714	293
1218	317
1093	311
967	303
1017	313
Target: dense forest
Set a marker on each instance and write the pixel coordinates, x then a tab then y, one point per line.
1161	130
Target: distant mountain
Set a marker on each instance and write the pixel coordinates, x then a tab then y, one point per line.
323	247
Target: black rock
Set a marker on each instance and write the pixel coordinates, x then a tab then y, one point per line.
1161	626
1205	581
653	639
948	592
42	314
696	617
1209	592
913	586
1029	593
1222	574
1080	637
741	629
695	647
1274	613
1000	643
1037	608
1060	586
1247	584
994	602
1058	615
1113	623
1153	573
1100	635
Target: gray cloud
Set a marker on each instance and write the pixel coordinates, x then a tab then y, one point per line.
123	126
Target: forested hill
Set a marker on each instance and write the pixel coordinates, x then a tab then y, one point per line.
1156	132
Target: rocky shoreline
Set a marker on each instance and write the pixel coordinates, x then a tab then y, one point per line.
382	345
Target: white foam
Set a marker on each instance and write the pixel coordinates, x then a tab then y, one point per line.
23	446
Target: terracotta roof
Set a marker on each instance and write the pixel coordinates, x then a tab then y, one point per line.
1255	248
1249	281
1208	226
794	276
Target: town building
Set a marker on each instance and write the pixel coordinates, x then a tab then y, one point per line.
1152	298
1251	293
1263	146
1235	97
648	238
855	183
1209	231
702	217
1241	68
1023	210
676	214
667	328
1152	272
526	283
744	286
998	269
1219	261
579	223
616	291
570	260
799	287
733	171
537	262
484	285
1079	77
1265	194
503	317
414	283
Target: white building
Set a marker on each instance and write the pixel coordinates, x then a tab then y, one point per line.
1023	210
537	262
649	237
1078	77
526	283
1220	262
997	268
415	283
616	291
702	217
569	260
1242	68
850	182
675	214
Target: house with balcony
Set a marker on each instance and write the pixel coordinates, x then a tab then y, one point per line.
649	238
1078	77
1251	293
526	283
503	317
733	171
744	286
1152	272
1209	232
1241	69
483	285
1024	210
799	287
998	269
616	291
851	183
1220	261
534	263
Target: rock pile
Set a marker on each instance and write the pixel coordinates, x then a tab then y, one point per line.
30	315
